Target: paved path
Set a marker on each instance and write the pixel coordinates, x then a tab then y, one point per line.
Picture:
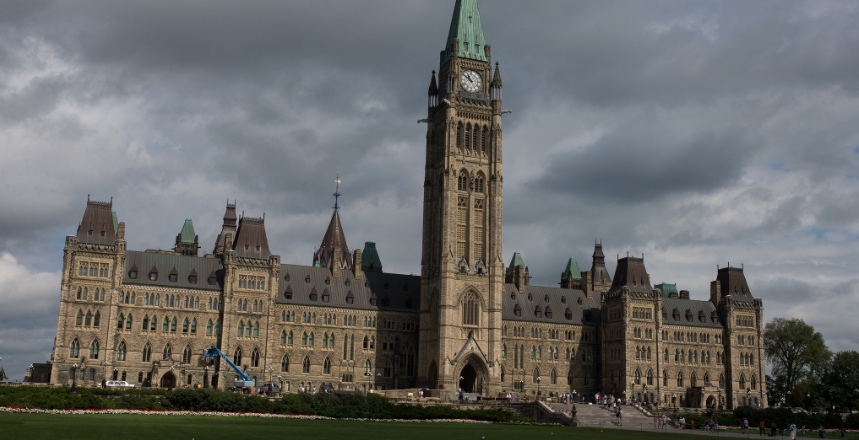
593	416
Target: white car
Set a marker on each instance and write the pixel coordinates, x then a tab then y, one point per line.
119	384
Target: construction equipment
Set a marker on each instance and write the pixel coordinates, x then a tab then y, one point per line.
246	381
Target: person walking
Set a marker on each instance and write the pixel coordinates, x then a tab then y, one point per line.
762	427
745	426
792	429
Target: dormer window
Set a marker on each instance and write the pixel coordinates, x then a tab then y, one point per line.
173	277
132	274
153	276
192	279
350	299
212	280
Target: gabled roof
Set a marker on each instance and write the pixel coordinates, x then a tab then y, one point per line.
689	312
582	310
164	263
465	27
98	225
251	240
392	292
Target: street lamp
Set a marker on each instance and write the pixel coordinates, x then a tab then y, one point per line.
538	387
574	396
74	377
206	376
646	398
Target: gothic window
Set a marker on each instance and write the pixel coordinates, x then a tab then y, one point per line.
96	320
664	378
553	377
284	364
208	328
240	329
256	329
483	137
754	382
186	355
167	353
173	324
154	325
693	380
468	138
120	321
680	379
459	130
289	338
471	309
282	337
304	339
185	325
147	353
649	377
237	356
742	381
79	320
637	376
255	358
194	326
305	365
707	379
74	348
462	181
128	322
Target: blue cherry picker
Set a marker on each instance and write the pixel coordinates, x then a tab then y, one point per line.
245	382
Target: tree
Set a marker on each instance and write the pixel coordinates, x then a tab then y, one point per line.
842	380
794	350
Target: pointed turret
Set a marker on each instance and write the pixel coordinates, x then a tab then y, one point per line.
370	258
98	225
187	242
571	278
229	227
334	248
465	38
432	93
495	85
517	272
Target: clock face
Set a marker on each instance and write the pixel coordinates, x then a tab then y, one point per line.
470	81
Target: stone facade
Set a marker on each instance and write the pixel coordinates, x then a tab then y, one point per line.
467	322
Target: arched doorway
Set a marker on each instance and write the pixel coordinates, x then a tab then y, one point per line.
168	380
468	379
472	375
711	402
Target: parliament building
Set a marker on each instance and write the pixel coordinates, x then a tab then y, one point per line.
468	321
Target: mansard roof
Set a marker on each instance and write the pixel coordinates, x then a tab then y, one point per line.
732	281
690	313
630	273
517	261
163	263
390	292
98	225
582	310
251	240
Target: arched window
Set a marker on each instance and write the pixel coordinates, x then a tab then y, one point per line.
693	380
96	320
468	138
186	355
284	364
128	322
167	353
304	339
679	378
120	321
368	368
721	381
194	326
483	137
88	319
637	376
256	329
75	348
185	325
305	365
742	381
237	356
535	375
93	349
147	353
553	377
289	338
255	358
79	320
282	337
326	366
706	379
459	130
240	329
121	351
649	377
471	309
754	382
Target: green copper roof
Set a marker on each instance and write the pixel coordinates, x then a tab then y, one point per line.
370	257
666	289
515	262
465	26
187	233
572	270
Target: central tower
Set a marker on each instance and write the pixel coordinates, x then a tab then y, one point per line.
462	272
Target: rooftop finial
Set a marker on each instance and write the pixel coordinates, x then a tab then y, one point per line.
337	193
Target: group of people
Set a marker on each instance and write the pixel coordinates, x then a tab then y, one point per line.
660	421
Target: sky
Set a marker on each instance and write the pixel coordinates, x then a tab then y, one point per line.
698	134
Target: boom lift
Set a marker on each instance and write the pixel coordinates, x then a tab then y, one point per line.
246	380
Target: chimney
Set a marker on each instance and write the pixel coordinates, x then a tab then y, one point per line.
356	265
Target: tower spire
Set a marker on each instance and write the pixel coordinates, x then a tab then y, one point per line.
337	193
465	38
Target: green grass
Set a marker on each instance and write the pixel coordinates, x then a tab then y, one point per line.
131	427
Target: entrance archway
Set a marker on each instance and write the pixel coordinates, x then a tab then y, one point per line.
711	402
468	379
168	380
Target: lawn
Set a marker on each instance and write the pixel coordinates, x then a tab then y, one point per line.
131	427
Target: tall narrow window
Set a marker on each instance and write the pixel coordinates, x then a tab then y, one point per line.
93	349
147	353
74	348
471	309
120	352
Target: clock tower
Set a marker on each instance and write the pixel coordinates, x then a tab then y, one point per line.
462	271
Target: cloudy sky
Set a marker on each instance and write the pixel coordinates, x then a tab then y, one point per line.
696	133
